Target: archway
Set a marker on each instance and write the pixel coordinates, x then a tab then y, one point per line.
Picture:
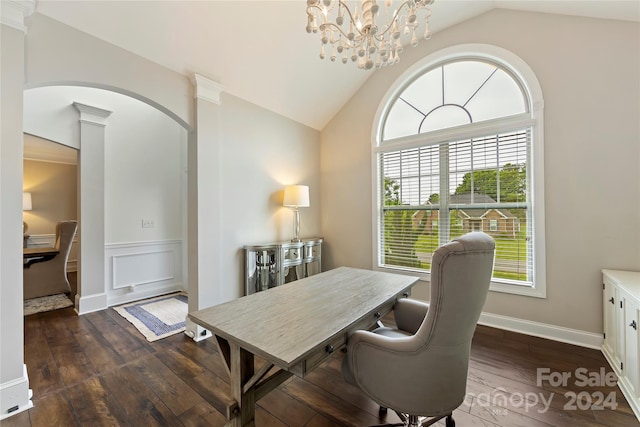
127	148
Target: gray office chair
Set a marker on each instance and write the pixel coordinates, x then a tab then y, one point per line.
420	368
50	277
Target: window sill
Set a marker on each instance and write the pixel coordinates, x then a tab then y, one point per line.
535	292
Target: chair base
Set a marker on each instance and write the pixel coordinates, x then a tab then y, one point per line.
417	421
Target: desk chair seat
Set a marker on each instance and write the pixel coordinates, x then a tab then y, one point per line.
420	367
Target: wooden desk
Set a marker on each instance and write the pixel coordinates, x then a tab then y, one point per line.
294	328
32	255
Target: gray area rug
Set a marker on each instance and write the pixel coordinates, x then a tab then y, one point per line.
157	317
49	303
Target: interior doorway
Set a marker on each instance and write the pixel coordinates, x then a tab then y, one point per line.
50	186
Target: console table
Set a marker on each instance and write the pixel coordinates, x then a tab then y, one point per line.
621	345
274	264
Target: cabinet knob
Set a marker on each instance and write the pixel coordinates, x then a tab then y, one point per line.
611	300
633	324
329	349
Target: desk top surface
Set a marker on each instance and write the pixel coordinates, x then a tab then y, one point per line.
39	251
286	323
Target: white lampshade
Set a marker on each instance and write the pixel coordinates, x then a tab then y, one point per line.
296	196
26	202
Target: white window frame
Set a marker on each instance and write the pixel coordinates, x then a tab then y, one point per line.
534	118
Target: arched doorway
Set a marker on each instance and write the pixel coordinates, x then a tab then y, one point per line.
134	166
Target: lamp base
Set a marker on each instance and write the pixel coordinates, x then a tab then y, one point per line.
296	226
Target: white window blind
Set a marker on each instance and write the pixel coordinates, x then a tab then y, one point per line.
433	193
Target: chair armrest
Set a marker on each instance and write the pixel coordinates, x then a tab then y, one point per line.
366	347
383	367
409	314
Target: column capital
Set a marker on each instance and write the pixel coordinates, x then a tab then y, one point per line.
14	12
90	114
207	89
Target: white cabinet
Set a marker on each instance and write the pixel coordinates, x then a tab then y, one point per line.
630	364
621	303
611	301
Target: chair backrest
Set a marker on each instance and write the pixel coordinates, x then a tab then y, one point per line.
65	232
460	276
425	373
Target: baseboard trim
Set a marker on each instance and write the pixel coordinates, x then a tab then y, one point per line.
91	303
139	295
16	395
543	330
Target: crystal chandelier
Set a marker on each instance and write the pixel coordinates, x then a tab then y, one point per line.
354	33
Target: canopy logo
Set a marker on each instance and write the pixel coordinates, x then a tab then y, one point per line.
499	401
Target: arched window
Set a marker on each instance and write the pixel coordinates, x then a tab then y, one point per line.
458	148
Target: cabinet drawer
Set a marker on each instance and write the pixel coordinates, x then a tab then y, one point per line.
367	323
292	256
314	251
316	359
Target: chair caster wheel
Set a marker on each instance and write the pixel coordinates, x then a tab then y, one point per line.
450	421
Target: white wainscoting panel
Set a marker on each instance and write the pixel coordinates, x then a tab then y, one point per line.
140	270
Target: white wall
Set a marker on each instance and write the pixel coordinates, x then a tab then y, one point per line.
58	54
261	153
588	70
143	157
143	175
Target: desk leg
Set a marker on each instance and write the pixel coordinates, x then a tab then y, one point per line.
241	371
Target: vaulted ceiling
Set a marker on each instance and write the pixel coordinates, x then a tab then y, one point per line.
259	50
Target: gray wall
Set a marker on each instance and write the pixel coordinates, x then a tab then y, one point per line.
588	70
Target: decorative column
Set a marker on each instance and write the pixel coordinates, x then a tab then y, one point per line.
203	232
91	284
15	395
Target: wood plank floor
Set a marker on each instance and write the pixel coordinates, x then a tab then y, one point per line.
98	370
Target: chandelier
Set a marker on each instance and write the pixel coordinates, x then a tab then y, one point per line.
354	33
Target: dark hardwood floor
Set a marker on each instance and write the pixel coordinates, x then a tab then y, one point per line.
98	370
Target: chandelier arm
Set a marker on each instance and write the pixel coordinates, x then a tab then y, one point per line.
336	26
341	3
322	27
365	35
393	19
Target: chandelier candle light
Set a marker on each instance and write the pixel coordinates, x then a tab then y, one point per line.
355	33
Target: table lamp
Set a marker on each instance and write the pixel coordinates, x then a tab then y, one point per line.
296	196
26	206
